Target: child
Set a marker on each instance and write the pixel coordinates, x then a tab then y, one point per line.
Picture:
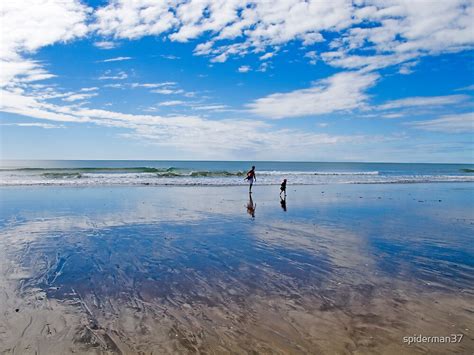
283	187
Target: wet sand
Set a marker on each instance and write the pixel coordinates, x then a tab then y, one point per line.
346	269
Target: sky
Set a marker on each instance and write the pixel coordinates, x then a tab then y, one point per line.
293	80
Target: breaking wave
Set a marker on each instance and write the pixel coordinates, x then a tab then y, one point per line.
103	176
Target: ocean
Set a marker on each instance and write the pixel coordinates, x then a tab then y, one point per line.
222	173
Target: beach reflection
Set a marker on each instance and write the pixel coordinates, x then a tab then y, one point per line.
179	270
251	206
283	202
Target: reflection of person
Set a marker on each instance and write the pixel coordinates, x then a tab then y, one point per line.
283	202
251	178
251	207
283	187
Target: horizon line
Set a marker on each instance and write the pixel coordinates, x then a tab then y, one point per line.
242	161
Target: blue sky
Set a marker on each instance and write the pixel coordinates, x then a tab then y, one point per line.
239	80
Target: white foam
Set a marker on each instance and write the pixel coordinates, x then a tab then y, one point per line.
289	173
263	178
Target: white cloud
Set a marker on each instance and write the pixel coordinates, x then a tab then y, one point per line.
190	94
264	67
215	108
172	103
457	123
34	124
266	56
345	60
407	68
342	91
313	57
89	89
427	101
31	24
115	86
167	91
400	30
394	31
419	26
79	97
108	76
117	59
221	58
163	88
244	69
466	88
105	44
135	19
261	23
170	56
191	134
153	85
21	71
36	107
391	115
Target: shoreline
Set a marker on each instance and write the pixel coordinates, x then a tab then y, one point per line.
105	185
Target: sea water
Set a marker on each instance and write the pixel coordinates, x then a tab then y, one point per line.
222	173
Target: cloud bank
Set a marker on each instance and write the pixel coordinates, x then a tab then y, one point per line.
340	92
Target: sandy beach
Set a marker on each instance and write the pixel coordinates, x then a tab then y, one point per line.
345	269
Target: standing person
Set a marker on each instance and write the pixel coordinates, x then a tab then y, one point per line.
251	178
283	187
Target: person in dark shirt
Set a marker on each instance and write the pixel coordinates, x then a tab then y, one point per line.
283	187
251	178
